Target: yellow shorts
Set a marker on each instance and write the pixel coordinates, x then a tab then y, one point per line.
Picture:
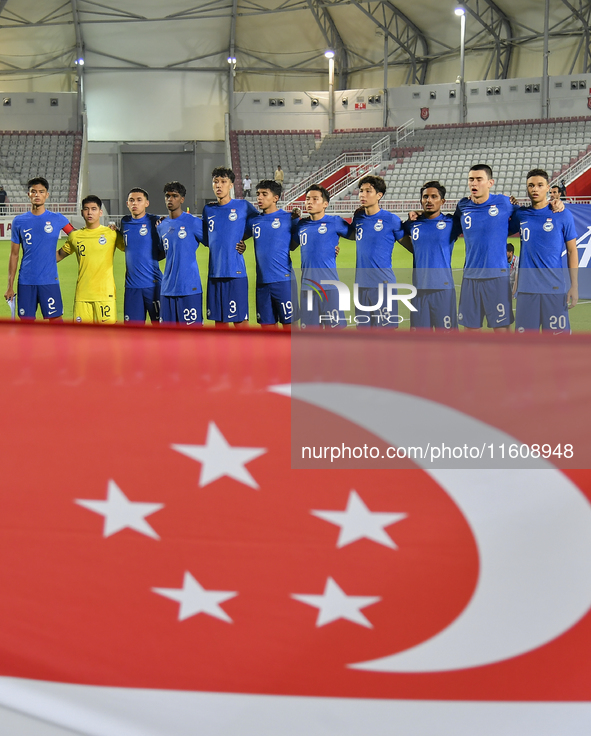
98	312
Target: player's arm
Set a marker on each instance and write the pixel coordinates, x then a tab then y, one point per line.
295	234
572	256
406	240
12	266
120	241
69	228
556	205
65	251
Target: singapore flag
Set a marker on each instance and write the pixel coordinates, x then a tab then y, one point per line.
166	571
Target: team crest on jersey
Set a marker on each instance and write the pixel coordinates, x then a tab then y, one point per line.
441	225
144	230
48	227
379	226
548	226
322	229
493	211
276	223
233	215
182	232
102	240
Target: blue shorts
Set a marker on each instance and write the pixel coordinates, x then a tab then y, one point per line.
435	308
490	297
139	302
184	310
321	311
48	297
368	296
227	300
550	311
277	302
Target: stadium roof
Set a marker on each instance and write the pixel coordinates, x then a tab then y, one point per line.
280	44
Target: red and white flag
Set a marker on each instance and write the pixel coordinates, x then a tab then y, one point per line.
165	570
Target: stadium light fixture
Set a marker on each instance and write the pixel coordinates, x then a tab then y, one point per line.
459	11
231	59
79	62
329	54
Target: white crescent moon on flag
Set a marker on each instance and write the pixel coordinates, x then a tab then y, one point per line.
532	528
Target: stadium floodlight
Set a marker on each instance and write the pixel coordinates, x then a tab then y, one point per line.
79	62
329	54
459	11
231	59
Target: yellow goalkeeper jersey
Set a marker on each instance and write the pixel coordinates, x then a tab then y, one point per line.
94	250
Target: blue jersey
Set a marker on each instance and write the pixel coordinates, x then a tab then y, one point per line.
375	236
318	240
433	242
543	237
224	226
38	235
180	239
486	228
272	236
142	251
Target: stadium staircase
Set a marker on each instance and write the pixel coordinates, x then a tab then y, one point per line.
358	152
258	152
54	155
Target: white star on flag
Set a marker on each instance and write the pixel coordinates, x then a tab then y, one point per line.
195	599
358	522
218	458
121	513
334	604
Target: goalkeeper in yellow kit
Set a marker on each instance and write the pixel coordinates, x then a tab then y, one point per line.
94	246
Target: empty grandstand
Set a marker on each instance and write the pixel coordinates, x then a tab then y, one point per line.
54	155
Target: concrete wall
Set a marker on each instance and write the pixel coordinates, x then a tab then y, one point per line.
34	111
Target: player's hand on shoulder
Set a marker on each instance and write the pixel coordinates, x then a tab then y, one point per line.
112	226
413	215
241	246
160	219
513	200
557	205
295	213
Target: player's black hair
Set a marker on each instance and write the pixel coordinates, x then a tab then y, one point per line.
538	172
175	186
271	185
322	190
554	186
377	182
223	173
38	180
92	199
483	167
510	248
434	185
138	190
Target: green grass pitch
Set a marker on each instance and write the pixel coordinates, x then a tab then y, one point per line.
402	261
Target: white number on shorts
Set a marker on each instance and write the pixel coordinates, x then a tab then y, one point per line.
256	231
232	307
525	234
559	322
303	238
501	311
190	315
414	233
358	233
467	221
51	304
287	308
447	322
